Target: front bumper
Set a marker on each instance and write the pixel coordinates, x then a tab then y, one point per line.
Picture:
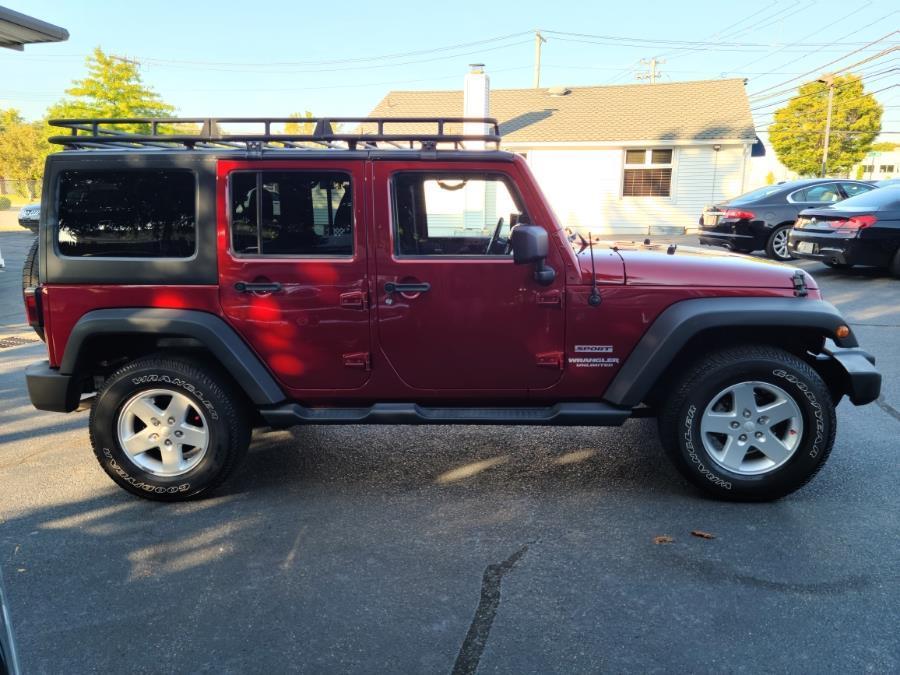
855	370
837	249
29	224
50	390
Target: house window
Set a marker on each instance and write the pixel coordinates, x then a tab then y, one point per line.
886	168
648	173
868	168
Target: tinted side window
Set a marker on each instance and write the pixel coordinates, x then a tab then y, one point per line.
825	193
291	213
453	214
127	214
853	189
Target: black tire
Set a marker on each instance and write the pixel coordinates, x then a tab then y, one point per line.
222	406
681	416
30	267
895	264
771	243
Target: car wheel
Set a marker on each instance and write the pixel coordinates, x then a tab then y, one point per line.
777	245
749	423
168	429
895	264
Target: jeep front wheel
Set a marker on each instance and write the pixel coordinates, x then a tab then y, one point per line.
749	423
164	428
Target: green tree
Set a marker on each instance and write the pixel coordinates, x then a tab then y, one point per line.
884	146
112	88
798	132
300	127
23	148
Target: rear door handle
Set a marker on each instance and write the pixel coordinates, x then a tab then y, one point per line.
248	287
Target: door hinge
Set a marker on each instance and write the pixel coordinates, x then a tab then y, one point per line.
359	360
799	279
550	299
550	360
355	300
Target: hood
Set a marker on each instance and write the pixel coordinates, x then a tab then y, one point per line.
653	265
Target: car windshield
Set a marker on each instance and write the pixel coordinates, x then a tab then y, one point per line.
756	195
886	197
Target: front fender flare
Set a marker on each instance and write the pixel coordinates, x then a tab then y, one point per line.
680	322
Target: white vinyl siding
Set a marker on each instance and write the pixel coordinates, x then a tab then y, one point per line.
584	187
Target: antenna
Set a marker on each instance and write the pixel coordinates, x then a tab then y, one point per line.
594	298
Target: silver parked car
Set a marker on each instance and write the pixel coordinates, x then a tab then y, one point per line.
29	216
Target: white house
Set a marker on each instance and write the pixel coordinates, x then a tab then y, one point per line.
878	165
623	158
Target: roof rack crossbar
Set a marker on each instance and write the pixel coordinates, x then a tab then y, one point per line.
165	132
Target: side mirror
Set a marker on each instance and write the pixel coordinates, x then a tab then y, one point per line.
530	244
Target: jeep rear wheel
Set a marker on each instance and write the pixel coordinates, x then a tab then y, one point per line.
749	423
164	428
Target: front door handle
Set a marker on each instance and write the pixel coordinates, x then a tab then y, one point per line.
392	287
249	287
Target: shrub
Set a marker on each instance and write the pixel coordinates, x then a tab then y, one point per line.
4	203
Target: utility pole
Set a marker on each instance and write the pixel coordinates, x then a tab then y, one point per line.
827	80
652	73
538	41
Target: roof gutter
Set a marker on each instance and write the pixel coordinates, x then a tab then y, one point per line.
18	30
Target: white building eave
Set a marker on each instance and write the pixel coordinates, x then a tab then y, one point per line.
569	145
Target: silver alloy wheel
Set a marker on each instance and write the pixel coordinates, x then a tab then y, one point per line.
163	432
751	428
780	244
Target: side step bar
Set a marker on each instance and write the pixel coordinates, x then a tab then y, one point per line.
560	414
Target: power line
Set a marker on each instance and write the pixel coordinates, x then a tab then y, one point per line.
818	93
805	37
837	60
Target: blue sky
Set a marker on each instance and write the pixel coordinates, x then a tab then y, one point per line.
274	58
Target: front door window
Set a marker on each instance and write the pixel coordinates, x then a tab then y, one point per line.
445	214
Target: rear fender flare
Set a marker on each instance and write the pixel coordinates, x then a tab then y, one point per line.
209	330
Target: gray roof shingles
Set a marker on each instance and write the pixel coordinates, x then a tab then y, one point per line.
699	110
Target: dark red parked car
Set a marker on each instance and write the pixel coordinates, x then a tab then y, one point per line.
192	287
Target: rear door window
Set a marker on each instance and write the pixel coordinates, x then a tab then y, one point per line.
291	213
147	213
825	193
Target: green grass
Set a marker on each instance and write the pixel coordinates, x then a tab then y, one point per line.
18	201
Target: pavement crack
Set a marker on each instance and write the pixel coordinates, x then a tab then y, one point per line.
476	638
887	407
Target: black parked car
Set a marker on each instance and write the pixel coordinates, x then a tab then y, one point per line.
762	219
863	230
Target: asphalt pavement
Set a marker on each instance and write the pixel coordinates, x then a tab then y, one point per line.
453	549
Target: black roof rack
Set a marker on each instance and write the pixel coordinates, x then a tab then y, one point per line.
369	132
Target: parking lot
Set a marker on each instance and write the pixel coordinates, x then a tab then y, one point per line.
451	549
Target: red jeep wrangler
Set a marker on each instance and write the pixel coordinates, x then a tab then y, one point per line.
192	286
